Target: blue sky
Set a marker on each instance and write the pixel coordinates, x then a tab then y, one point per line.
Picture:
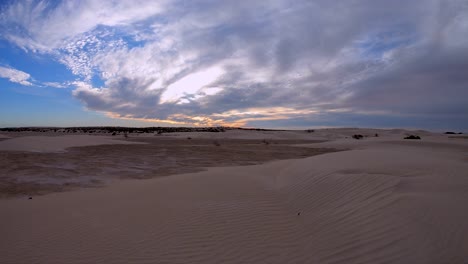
274	63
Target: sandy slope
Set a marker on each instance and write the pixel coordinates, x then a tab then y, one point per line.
384	201
55	144
35	173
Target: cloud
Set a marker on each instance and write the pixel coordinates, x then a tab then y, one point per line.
16	76
55	84
432	81
23	78
193	84
47	25
240	62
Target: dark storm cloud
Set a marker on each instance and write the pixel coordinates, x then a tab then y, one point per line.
433	81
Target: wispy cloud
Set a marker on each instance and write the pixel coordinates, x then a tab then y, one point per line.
298	60
55	85
23	78
16	76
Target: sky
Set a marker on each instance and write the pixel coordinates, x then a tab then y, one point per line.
270	63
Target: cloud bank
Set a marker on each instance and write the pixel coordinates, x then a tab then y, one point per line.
271	63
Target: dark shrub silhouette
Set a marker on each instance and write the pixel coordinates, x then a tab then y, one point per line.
357	136
413	137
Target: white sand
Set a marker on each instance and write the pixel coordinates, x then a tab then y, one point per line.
385	201
248	134
56	144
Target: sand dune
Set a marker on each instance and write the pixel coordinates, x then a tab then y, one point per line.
35	173
56	144
382	201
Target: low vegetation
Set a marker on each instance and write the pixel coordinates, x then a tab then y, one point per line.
358	136
413	137
453	133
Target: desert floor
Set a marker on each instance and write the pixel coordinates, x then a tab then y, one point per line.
320	197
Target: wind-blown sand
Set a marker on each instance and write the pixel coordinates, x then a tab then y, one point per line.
385	200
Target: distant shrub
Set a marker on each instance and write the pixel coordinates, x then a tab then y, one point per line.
413	137
114	133
189	138
357	136
450	133
216	143
310	130
376	135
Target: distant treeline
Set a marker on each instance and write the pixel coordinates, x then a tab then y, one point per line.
109	129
